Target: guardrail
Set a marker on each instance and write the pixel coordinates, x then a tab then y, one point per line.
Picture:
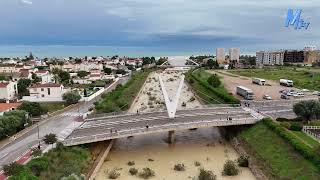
306	129
124	113
155	129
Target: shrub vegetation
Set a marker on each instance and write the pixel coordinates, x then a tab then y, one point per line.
230	169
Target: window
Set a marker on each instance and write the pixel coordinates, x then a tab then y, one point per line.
42	95
48	91
42	89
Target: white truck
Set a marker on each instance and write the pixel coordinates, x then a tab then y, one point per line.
286	82
245	92
259	81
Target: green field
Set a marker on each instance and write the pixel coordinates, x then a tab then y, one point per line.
275	157
302	78
307	139
52	107
122	97
208	94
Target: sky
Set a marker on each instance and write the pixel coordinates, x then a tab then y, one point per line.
176	25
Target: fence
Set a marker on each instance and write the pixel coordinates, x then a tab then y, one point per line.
306	129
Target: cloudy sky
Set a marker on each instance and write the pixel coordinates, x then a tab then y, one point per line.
190	25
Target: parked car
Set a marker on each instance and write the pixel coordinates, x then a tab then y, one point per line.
301	94
283	96
295	94
305	90
315	93
289	94
267	97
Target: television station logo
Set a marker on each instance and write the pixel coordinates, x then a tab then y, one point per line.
294	19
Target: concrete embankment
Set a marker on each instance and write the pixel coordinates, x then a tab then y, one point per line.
99	160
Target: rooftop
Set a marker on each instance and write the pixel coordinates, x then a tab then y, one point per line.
45	85
8	106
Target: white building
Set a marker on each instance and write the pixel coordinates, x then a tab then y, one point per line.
269	58
45	76
220	56
234	54
8	90
49	92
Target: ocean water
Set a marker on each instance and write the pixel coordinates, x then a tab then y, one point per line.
80	51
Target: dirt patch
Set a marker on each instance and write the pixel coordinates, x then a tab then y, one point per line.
231	82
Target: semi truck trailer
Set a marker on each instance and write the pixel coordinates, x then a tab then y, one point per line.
259	81
245	92
286	82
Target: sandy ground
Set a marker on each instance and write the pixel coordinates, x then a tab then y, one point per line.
151	98
272	89
201	145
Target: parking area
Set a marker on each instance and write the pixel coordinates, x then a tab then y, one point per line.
272	88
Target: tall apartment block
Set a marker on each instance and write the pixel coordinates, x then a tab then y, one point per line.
269	58
234	54
220	56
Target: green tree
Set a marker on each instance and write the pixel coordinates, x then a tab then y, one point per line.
64	77
38	165
214	80
210	63
50	138
82	74
13	168
107	70
33	108
23	84
308	110
71	97
35	78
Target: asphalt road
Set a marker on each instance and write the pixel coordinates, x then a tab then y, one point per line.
126	123
55	124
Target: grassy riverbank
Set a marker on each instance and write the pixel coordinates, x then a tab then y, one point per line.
276	156
209	95
302	78
122	97
57	163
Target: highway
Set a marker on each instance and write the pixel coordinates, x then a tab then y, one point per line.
56	124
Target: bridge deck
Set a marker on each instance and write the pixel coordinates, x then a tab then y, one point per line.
105	128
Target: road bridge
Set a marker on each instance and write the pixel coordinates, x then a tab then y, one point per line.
126	125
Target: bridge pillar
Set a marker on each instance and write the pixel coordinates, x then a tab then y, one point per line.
171	137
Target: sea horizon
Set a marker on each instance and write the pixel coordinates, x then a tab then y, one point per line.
63	51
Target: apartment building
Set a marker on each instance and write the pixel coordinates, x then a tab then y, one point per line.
234	54
220	56
269	58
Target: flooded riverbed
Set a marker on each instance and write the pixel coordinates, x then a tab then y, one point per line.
202	145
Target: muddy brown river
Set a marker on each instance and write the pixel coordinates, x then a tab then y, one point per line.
203	145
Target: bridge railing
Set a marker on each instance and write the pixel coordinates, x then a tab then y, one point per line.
157	128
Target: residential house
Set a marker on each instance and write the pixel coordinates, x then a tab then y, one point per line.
45	76
8	90
48	92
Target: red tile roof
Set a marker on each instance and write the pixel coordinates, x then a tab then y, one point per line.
8	106
41	71
3	85
95	75
45	85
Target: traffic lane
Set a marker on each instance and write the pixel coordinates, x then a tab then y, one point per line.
164	121
124	119
160	114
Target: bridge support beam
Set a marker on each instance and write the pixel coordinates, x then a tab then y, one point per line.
171	137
